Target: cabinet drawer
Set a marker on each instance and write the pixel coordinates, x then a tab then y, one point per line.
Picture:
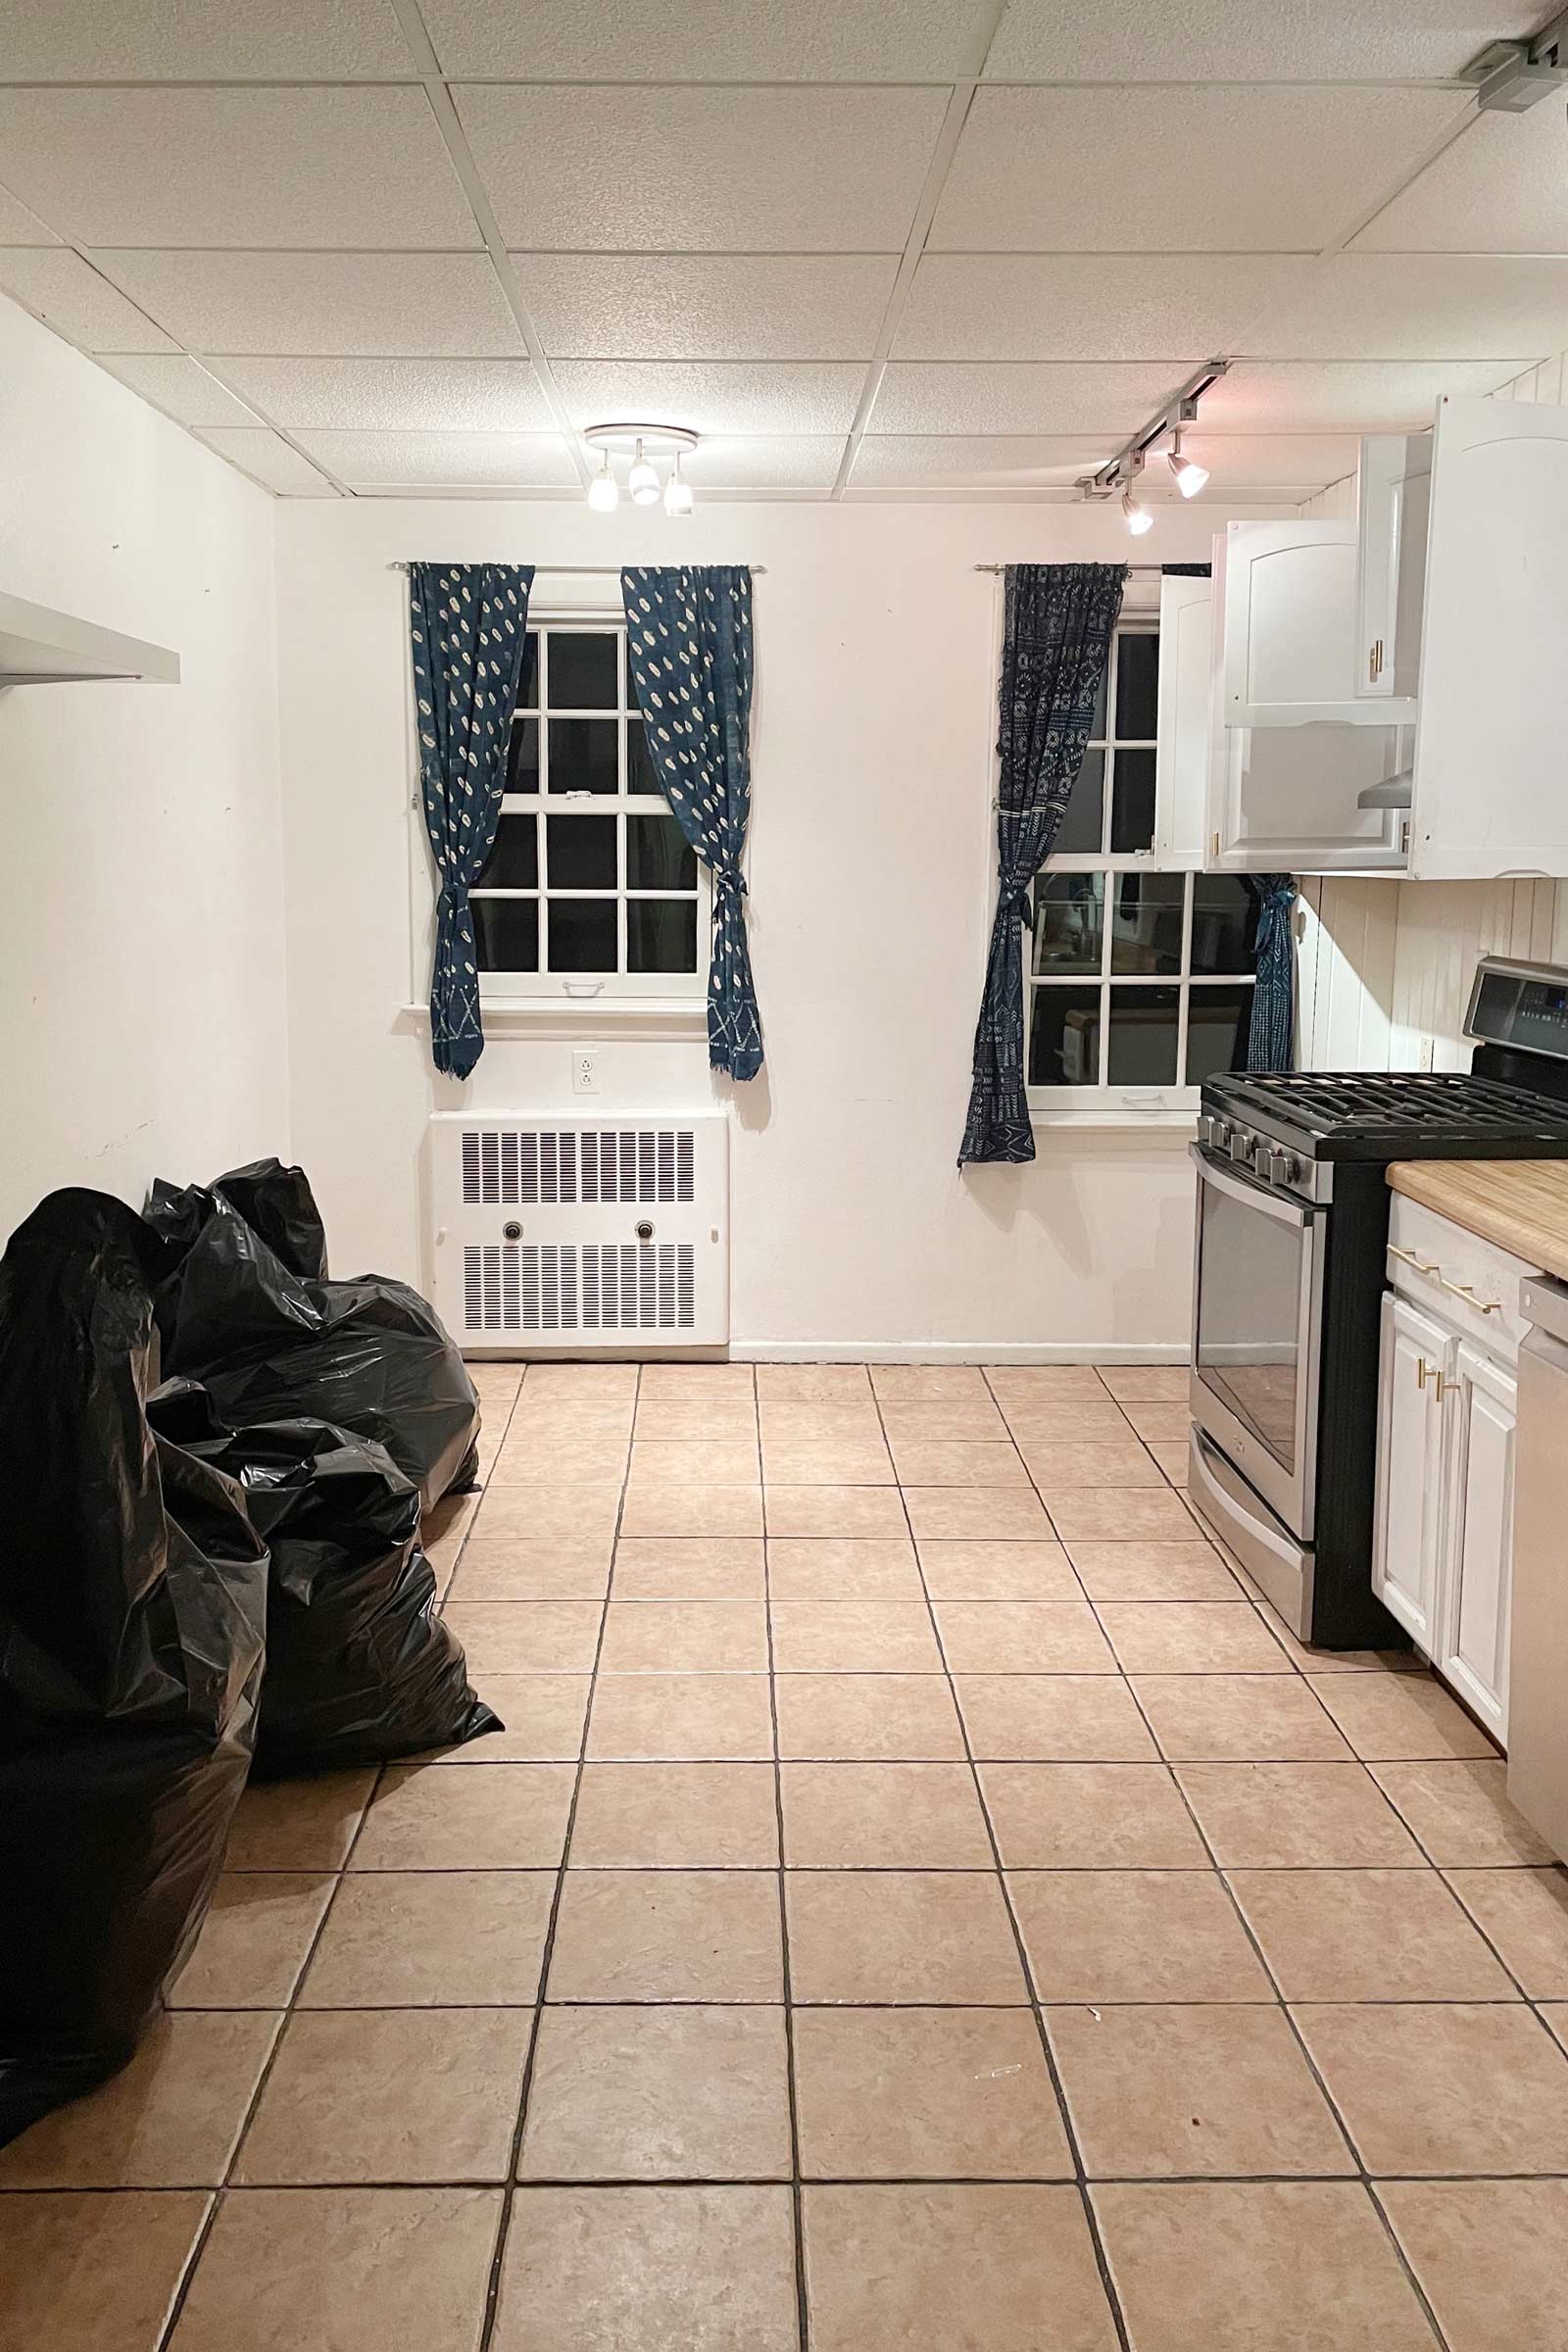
1457	1275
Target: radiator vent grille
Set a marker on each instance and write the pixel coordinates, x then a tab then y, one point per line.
520	1167
610	1285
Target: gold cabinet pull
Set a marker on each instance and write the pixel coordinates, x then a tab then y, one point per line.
1408	1257
1465	1290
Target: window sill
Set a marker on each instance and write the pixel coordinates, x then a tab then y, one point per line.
582	1019
1161	1118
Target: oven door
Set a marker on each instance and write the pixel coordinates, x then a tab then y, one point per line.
1257	1333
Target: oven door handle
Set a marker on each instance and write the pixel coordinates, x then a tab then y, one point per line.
1282	1207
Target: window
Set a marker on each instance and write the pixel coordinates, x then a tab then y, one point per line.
1139	978
591	888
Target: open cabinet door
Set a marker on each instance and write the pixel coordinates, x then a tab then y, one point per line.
1291	629
1491	744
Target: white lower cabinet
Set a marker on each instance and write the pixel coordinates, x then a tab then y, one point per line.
1443	1528
1413	1371
1472	1646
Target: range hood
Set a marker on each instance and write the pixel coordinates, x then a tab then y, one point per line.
1395	791
39	647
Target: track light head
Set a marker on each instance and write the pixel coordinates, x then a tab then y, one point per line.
1190	475
642	482
604	495
677	490
1138	519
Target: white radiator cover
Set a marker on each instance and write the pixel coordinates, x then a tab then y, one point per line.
552	1232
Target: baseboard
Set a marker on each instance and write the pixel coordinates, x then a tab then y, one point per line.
958	1352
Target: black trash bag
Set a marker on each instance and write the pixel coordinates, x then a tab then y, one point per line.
132	1615
274	1201
269	1345
358	1666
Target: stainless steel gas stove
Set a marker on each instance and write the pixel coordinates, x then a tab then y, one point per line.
1292	1212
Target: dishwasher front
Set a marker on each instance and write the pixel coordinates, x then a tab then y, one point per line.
1537	1679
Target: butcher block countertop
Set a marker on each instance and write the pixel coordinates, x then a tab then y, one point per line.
1521	1205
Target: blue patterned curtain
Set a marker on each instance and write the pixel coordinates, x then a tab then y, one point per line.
1269	1040
1059	619
689	644
466	623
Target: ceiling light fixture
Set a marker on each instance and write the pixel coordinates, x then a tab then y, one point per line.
604	494
1116	477
643	444
1190	475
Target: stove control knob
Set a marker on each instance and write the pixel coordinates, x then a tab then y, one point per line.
1242	1146
1213	1132
1275	1166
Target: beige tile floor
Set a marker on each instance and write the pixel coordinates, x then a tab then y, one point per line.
922	1901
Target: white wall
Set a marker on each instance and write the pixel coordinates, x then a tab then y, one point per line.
141	978
871	862
1386	967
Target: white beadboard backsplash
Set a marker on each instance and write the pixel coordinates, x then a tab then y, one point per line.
1385	966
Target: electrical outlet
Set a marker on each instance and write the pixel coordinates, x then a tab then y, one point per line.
584	1070
1428	1047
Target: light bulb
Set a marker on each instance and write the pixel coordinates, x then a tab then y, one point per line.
677	491
1190	475
642	482
1138	519
603	495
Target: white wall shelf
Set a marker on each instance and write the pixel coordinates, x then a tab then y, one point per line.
39	647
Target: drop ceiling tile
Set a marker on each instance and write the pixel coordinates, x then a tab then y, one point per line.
718	398
1004	398
976	460
1421	305
225	167
1361	396
269	460
58	286
1258	463
459	460
706	170
200	40
1500	188
765	462
710	40
712	306
19	226
1083	306
482	396
1137	170
1235	40
309	304
181	389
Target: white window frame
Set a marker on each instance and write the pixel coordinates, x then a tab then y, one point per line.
1104	1100
502	989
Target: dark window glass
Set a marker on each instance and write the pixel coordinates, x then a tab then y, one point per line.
507	933
1064	1037
514	863
581	850
1224	924
1217	1023
660	935
1146	922
584	754
1069	914
523	756
529	682
1137	686
1142	1037
659	856
1097	725
584	672
1132	801
582	934
640	776
1082	823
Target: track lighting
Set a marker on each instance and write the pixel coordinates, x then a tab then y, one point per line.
1190	475
1138	519
677	490
642	444
642	482
603	494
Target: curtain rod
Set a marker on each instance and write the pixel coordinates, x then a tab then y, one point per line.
603	570
1131	568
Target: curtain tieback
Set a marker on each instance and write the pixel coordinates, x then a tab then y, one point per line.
1017	896
730	877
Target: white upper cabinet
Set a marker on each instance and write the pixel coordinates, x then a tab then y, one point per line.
1491	793
1290	652
1394	485
1181	760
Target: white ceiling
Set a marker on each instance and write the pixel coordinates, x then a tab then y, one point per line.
936	248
